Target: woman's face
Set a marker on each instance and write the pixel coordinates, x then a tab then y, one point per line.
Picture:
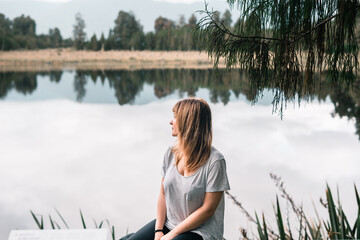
174	128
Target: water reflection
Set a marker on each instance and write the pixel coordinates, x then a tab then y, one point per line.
104	159
79	85
348	106
127	85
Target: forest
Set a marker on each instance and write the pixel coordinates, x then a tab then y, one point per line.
127	34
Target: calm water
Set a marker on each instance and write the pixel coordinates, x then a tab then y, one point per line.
95	140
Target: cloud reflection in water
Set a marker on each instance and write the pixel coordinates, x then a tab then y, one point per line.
105	159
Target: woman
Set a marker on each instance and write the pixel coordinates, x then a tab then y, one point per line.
191	200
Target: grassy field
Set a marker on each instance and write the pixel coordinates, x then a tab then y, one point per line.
57	59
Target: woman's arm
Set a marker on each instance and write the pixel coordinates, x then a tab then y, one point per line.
198	217
160	212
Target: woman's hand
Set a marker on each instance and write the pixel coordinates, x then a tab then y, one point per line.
170	235
158	235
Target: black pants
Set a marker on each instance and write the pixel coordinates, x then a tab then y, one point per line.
147	233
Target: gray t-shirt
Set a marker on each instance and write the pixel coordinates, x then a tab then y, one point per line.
183	195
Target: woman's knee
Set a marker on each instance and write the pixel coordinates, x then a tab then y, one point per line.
188	236
145	233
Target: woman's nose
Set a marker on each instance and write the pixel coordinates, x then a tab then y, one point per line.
171	122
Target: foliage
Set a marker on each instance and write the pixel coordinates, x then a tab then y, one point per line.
39	220
126	34
102	42
286	41
78	32
163	24
94	44
335	227
20	33
24	26
5	32
55	38
226	19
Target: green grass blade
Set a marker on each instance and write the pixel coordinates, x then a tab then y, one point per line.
266	236
334	221
112	229
357	196
311	230
306	237
348	227
357	199
113	232
56	224
101	223
343	219
62	219
318	233
353	231
327	226
280	221
40	225
82	220
96	226
342	226
301	227
314	232
358	228
261	235
51	222
42	222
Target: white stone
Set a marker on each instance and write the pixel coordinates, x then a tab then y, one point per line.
61	234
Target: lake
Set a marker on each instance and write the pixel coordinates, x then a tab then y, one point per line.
95	140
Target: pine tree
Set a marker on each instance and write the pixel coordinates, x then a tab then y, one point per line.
94	43
78	32
128	32
102	42
55	37
285	42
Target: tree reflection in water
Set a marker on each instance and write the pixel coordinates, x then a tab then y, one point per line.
79	85
128	84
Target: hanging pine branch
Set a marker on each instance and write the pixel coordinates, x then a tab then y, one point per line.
285	42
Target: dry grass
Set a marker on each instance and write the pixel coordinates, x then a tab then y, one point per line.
57	59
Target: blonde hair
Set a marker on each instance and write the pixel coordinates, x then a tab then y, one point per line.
193	120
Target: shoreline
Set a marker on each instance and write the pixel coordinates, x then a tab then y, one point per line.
70	59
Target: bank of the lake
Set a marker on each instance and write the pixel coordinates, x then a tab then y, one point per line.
58	59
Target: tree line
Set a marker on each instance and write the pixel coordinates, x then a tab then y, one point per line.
127	34
20	33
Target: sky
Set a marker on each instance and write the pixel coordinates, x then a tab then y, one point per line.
172	1
62	1
99	15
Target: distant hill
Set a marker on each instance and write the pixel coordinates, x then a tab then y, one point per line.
99	15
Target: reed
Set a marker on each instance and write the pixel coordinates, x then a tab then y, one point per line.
335	227
39	220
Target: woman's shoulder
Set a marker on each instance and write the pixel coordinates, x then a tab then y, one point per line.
215	155
169	149
167	158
